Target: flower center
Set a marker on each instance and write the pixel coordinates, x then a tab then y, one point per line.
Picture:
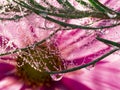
33	62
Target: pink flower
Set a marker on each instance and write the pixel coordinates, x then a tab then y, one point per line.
76	47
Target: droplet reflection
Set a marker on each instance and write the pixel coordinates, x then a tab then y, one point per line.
56	77
91	67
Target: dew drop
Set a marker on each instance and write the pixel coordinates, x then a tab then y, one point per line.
104	32
64	0
89	32
111	15
49	25
16	18
44	15
91	67
56	77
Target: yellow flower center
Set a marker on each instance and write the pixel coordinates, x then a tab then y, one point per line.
33	62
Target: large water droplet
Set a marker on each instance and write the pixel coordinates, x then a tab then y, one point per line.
56	77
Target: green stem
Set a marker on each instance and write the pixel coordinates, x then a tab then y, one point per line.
97	6
16	17
62	23
107	9
66	4
85	65
73	26
102	7
69	5
85	4
40	42
64	13
34	3
108	42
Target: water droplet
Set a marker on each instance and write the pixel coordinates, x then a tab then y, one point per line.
64	0
111	15
49	25
104	32
91	67
89	32
43	14
56	77
16	17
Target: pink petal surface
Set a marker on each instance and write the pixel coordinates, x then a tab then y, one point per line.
102	77
74	44
10	83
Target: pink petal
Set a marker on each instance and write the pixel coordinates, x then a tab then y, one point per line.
9	83
102	77
73	45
